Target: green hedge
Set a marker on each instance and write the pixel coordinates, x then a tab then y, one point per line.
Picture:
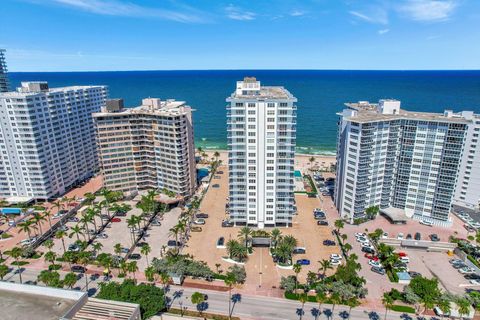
473	260
204	315
392	276
294	296
406	309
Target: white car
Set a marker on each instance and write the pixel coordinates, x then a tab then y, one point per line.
362	235
199	221
335	256
405	259
475	282
363	240
426	223
374	263
385	235
400	236
466	270
335	262
476	225
26	242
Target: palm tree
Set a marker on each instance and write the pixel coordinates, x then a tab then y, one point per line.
48	244
84	259
150	273
324	265
76	230
230	280
387	301
26	227
145	250
302	298
50	256
70	280
320	297
132	268
197	298
97	246
444	306
174	231
3	271
311	160
335	299
15	253
37	219
245	234
296	268
290	241
60	234
91	213
117	249
339	224
463	307
275	235
85	219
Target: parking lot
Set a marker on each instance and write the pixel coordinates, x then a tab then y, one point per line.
263	276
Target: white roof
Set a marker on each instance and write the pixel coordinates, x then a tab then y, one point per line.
17	199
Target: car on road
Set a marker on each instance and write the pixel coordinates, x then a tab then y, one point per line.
303	262
434	237
335	256
426	223
199	221
27	242
135	256
201	215
328	242
63	228
156	223
227	224
322	223
73	219
418	236
299	251
378	270
78	269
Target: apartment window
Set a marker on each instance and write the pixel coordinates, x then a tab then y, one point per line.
251	112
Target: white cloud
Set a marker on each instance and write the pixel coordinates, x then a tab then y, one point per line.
383	31
297	13
428	10
237	13
127	9
376	15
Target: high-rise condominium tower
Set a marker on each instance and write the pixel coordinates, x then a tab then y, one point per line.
47	139
261	125
147	147
405	162
3	72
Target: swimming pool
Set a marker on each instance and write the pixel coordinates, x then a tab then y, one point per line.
298	174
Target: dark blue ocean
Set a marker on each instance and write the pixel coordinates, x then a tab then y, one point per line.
320	94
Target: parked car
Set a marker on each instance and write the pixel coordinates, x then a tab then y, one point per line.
103	235
335	262
73	248
221	242
216	186
453	261
466	270
368	250
426	223
385	235
328	242
469	228
78	269
434	237
63	228
405	259
303	262
374	263
418	236
414	274
475	282
378	270
322	223
121	214
135	256
472	276
227	224
12	223
335	256
201	215
155	223
73	219
409	236
141	244
27	242
173	243
360	235
116	219
299	251
199	221
125	250
400	236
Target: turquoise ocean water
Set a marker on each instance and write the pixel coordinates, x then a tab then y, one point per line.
321	94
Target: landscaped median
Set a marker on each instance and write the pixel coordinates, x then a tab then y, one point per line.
203	315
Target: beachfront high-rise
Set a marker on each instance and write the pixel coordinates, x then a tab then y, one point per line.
405	162
261	126
3	72
147	147
47	139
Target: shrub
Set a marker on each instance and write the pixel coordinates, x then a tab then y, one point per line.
239	272
392	276
150	298
406	309
54	267
28	252
288	283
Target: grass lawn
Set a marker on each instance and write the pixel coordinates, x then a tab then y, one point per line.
406	309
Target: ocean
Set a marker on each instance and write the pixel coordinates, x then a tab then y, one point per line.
321	94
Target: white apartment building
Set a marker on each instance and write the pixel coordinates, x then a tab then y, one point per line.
261	126
147	147
3	72
47	141
467	194
405	162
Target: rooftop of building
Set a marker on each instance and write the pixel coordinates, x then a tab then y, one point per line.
251	88
36	87
150	106
389	109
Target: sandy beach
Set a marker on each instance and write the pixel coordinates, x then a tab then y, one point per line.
302	161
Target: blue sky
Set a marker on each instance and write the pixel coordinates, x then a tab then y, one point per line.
81	35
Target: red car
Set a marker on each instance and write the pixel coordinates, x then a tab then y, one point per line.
402	254
371	257
116	219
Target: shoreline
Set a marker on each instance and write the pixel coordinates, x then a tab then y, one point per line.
328	154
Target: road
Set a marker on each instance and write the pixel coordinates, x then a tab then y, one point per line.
248	306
